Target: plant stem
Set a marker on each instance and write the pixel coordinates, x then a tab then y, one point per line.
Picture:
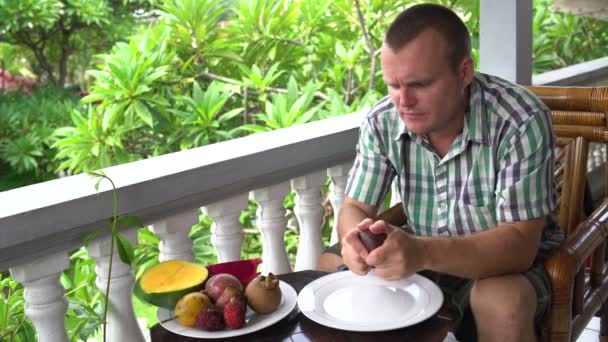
349	84
6	311
76	289
370	47
245	104
17	330
114	219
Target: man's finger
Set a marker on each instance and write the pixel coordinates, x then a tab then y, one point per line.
380	227
360	268
376	257
364	225
352	240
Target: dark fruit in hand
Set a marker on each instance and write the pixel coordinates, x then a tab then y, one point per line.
216	285
264	294
210	318
371	241
234	312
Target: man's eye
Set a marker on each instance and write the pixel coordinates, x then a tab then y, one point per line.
421	84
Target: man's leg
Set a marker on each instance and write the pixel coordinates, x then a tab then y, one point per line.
329	262
504	308
330	259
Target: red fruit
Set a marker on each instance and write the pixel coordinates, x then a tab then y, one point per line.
216	285
210	318
244	270
234	312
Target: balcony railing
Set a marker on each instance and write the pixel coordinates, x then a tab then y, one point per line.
39	224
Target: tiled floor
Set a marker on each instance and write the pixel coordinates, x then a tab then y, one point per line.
591	333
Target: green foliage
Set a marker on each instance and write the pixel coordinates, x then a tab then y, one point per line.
26	126
61	37
202	119
85	310
287	110
562	39
87	146
14	325
126	85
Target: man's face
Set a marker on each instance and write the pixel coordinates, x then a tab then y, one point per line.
429	93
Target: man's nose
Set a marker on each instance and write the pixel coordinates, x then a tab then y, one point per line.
406	97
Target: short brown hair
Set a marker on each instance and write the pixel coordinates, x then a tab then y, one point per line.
416	19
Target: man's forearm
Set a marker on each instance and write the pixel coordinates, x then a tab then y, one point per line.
349	218
498	251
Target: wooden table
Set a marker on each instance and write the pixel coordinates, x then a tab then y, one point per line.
296	327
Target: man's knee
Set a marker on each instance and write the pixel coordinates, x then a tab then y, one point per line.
329	262
510	300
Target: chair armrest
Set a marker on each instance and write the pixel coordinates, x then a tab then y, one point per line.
570	256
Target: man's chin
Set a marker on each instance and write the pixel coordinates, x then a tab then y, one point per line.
417	128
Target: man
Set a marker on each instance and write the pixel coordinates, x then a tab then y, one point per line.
473	157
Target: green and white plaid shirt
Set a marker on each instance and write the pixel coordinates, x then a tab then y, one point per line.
499	169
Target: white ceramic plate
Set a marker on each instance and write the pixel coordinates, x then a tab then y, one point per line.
347	301
254	321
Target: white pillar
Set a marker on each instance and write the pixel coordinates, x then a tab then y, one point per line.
339	177
122	323
227	232
309	211
45	303
505	39
173	232
272	223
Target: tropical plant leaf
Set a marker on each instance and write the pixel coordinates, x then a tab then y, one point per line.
125	249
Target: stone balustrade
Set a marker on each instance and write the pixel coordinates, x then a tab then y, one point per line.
39	224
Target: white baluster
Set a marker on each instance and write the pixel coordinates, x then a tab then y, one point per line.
45	303
227	232
596	151
173	232
339	177
122	323
272	223
309	211
598	155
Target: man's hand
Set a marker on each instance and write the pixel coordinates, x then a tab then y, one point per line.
400	256
353	250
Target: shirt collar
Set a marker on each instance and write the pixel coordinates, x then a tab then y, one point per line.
476	115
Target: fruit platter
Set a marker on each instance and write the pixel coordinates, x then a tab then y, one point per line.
215	301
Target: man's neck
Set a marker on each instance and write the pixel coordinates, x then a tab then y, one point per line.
443	139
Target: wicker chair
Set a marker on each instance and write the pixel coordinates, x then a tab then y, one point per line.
577	268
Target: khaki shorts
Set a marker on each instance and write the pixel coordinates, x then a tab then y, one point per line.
457	291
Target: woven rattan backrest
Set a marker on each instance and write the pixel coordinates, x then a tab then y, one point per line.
579	117
570	172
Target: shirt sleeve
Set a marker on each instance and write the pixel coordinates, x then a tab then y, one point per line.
525	187
372	173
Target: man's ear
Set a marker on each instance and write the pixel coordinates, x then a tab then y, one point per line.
467	70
